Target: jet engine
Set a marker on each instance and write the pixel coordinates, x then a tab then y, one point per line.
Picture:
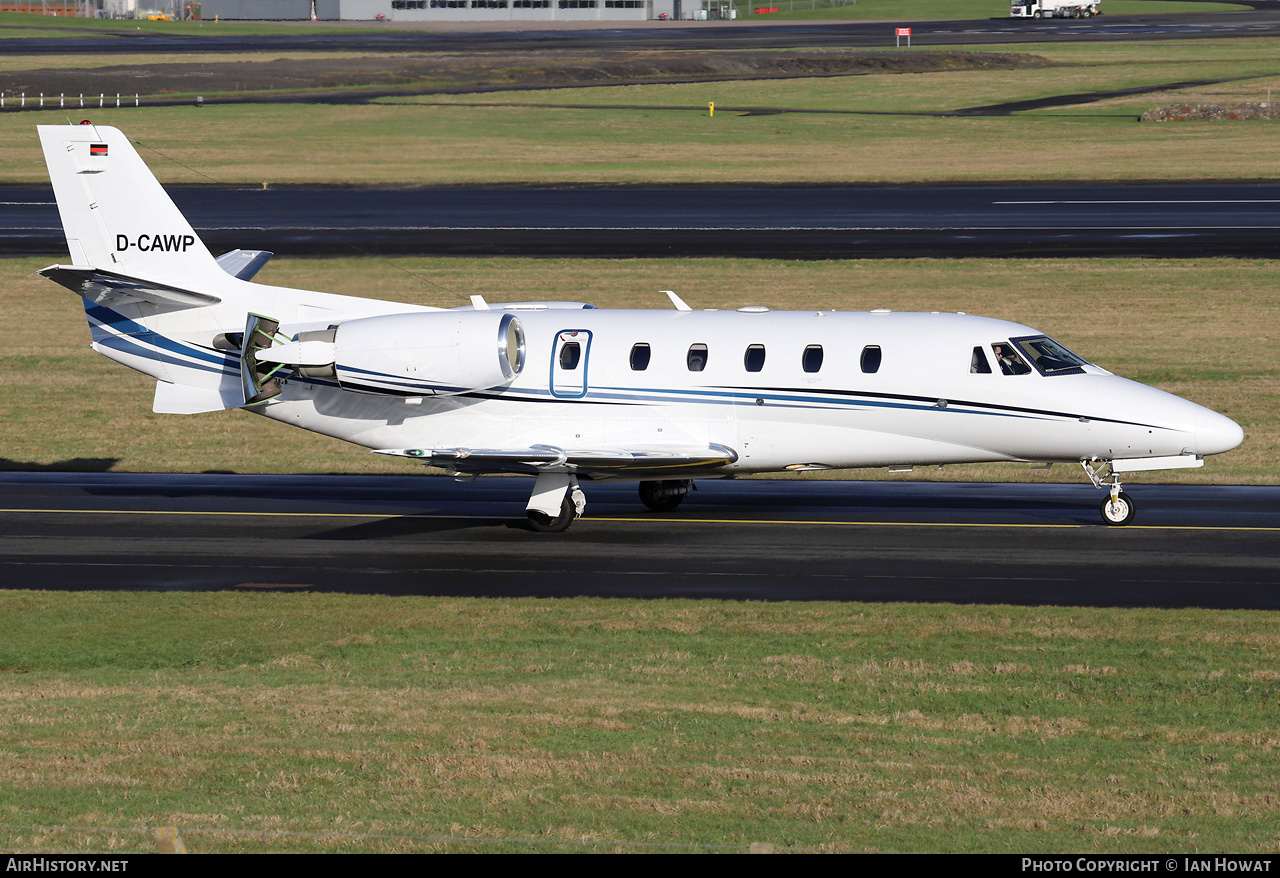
432	353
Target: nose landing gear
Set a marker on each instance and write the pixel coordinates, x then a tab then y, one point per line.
1118	508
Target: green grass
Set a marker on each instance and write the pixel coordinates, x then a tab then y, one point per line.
437	145
1200	328
852	726
879	129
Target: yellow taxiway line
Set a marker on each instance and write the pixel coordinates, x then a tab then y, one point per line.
385	515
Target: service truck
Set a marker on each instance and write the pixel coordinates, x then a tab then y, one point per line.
1054	9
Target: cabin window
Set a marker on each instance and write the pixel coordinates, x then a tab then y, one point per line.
1049	357
754	358
640	357
812	359
871	358
570	354
978	362
697	359
1011	363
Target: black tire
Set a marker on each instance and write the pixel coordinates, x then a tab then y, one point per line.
540	522
1038	14
1122	514
664	496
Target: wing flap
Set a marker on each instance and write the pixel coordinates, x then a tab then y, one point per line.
108	288
585	461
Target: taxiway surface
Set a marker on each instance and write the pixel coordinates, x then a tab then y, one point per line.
746	539
744	34
813	222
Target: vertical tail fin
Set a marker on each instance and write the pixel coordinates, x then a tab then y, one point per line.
115	214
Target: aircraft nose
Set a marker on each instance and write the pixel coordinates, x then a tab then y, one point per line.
1216	434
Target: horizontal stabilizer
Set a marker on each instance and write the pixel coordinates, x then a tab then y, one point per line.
179	399
244	264
544	458
109	288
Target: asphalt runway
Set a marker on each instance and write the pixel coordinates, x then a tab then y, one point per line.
749	539
806	222
1261	21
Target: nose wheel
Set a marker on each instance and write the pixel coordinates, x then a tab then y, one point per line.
1118	509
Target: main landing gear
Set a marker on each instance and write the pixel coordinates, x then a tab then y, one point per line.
557	501
666	495
1118	508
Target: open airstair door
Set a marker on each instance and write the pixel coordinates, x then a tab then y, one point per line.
259	379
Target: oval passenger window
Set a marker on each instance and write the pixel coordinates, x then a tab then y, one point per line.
697	359
640	357
754	358
812	359
871	358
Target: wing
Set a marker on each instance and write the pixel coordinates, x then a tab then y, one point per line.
108	288
593	462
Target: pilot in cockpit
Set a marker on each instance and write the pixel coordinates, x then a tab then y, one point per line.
1010	362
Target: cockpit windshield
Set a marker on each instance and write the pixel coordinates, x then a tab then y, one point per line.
1049	357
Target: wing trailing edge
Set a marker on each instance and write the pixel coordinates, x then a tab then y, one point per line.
599	462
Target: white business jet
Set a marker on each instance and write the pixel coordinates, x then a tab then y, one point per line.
569	393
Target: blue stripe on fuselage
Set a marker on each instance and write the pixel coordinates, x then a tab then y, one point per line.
160	348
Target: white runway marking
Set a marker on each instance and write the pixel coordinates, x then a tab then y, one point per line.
1157	201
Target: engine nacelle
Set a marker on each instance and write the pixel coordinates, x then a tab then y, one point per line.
431	353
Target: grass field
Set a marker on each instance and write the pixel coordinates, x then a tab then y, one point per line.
847	129
1204	329
851	726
